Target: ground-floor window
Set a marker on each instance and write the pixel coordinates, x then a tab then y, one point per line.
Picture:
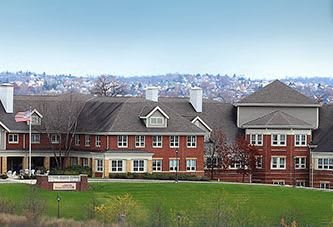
300	183
157	165
279	182
259	162
173	165
73	161
84	162
191	165
325	185
138	165
99	165
117	166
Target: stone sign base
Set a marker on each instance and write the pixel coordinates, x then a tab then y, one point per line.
63	182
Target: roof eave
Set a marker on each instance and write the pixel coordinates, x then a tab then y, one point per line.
278	104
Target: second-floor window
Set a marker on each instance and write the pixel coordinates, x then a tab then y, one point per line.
300	162
87	140
191	141
278	163
122	141
174	141
279	140
256	139
139	141
35	138
77	140
325	163
55	138
157	141
98	141
300	140
13	138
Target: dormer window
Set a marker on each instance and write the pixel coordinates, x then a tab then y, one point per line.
156	121
36	120
156	118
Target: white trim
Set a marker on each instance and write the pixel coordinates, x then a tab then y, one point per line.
5	127
278	131
278	163
153	111
300	140
36	111
13	142
277	104
202	122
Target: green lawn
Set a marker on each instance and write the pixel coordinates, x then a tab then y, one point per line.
309	206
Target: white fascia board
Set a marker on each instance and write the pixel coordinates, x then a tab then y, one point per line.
197	118
278	126
154	110
36	112
278	131
5	127
277	104
322	154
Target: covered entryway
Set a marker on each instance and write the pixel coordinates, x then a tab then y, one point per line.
37	162
15	164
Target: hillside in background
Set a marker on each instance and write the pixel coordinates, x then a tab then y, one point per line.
219	87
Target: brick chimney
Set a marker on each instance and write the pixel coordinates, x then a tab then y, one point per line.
152	94
196	98
7	96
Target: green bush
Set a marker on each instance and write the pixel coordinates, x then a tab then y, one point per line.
157	176
72	170
3	176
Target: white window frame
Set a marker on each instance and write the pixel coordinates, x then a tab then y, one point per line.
279	141
324	185
259	157
77	140
325	164
298	162
300	183
174	141
74	161
35	120
300	140
87	140
55	138
98	141
279	182
34	136
140	141
157	165
278	162
115	167
139	168
11	138
85	162
156	121
256	139
157	141
235	165
99	165
173	164
191	141
191	165
122	141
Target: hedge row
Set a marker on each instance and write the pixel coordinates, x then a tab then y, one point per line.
157	176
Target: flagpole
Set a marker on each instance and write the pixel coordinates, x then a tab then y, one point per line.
30	118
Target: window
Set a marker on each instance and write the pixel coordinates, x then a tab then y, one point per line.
256	139
325	163
157	165
55	138
300	140
173	165
122	141
279	182
174	141
98	141
278	163
234	165
35	138
138	165
156	120
99	165
191	141
35	120
259	162
139	141
300	162
73	161
117	166
300	183
13	138
324	185
87	140
279	140
157	141
84	162
77	140
212	162
191	165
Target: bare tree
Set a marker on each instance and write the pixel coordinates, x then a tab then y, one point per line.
107	86
217	152
60	118
244	156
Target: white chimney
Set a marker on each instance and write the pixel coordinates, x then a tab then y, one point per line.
196	98
152	94
7	96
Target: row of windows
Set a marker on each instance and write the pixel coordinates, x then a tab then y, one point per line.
35	138
140	165
278	140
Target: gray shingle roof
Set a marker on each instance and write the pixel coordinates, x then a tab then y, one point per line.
277	119
277	93
323	136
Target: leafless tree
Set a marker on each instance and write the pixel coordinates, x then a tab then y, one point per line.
107	86
60	117
217	152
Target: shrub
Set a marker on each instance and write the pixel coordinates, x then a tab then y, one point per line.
157	176
3	176
7	206
72	170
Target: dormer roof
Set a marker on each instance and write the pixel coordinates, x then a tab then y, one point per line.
151	112
277	94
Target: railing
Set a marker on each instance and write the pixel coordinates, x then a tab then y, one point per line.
63	178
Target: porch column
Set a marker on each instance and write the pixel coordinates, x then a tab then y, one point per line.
79	163
46	163
4	165
93	168
25	163
106	168
128	166
149	166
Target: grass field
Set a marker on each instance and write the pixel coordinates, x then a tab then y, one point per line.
271	203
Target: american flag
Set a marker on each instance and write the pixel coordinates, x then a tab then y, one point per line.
22	116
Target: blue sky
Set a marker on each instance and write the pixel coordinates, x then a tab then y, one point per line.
258	38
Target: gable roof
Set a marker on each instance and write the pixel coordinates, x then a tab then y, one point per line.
277	93
277	119
157	108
